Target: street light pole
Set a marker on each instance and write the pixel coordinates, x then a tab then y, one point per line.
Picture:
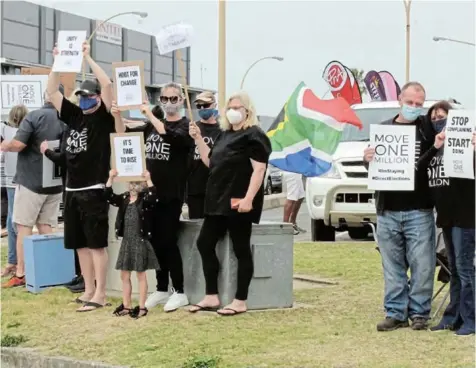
407	4
279	58
140	14
436	39
221	53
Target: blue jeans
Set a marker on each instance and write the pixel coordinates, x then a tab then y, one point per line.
407	240
460	249
11	228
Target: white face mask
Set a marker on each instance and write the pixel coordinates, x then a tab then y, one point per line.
234	116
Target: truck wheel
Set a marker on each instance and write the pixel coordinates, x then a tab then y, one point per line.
358	233
321	232
269	187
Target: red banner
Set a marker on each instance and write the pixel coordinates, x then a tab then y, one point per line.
342	82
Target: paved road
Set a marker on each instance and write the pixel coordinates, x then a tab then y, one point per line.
303	221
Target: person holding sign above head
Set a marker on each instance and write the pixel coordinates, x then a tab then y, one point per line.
405	221
87	162
167	150
136	253
198	176
455	206
234	197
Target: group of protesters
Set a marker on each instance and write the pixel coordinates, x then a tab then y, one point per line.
216	165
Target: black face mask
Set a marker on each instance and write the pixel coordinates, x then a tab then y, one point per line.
439	125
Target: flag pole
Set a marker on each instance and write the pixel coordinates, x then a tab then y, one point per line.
221	53
407	4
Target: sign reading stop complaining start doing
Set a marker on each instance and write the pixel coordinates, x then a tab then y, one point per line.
393	166
128	156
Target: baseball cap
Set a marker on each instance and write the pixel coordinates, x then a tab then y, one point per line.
207	97
89	87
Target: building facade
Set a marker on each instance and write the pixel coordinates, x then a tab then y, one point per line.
29	31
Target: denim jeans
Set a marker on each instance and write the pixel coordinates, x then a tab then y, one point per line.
11	228
407	240
460	249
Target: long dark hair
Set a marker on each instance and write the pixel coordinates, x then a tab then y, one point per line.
443	105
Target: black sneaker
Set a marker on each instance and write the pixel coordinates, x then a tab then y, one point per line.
390	324
419	323
75	281
77	288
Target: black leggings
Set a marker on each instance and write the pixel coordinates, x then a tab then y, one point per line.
165	231
213	229
77	267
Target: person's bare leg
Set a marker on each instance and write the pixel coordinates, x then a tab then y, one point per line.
44	229
87	269
126	289
23	231
288	208
295	211
143	288
100	259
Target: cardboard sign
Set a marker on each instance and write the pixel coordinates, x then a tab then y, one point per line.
70	47
51	171
68	80
459	151
27	90
128	156
393	166
129	84
173	37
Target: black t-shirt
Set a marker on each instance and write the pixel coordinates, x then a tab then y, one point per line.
88	148
167	157
454	197
198	172
231	170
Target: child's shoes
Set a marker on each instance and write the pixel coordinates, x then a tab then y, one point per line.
139	312
122	311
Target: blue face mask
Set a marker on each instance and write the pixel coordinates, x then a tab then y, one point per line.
439	125
86	103
411	113
206	114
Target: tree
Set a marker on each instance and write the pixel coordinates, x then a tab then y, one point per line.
359	77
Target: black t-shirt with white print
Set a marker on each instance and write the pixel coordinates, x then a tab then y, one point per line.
88	148
167	157
198	171
231	170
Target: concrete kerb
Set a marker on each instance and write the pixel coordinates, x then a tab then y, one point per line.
29	358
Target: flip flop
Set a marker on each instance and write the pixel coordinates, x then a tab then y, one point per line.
94	305
80	301
235	312
201	308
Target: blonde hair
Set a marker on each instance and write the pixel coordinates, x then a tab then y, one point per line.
73	98
251	118
176	86
16	115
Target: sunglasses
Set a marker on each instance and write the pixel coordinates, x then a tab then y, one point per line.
203	105
165	99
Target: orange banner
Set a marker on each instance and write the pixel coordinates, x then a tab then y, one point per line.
68	80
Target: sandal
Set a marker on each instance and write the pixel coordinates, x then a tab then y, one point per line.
122	311
138	312
9	271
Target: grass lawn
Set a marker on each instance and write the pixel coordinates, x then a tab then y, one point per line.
337	331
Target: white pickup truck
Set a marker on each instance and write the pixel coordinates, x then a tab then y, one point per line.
340	200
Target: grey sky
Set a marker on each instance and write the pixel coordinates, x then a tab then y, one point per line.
308	34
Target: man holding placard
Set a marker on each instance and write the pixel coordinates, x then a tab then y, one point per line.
87	163
405	220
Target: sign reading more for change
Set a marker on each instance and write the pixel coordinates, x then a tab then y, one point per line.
27	90
129	84
459	151
393	166
128	156
70	48
174	37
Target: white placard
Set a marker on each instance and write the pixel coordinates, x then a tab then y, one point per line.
128	156
173	37
25	90
51	171
70	48
10	157
129	86
393	166
459	150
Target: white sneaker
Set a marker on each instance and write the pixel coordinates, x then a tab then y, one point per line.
176	301
156	298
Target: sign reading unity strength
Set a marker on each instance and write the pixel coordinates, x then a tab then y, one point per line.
51	171
174	37
27	90
129	84
393	166
128	156
70	48
459	151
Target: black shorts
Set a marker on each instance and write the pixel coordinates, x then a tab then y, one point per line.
86	219
196	206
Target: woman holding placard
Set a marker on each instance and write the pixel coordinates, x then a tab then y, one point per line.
167	149
234	197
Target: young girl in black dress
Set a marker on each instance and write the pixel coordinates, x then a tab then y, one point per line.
136	252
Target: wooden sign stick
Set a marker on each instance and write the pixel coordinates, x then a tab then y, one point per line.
184	80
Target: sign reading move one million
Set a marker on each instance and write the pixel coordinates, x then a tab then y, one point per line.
393	166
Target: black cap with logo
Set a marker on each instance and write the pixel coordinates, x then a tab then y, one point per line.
88	88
